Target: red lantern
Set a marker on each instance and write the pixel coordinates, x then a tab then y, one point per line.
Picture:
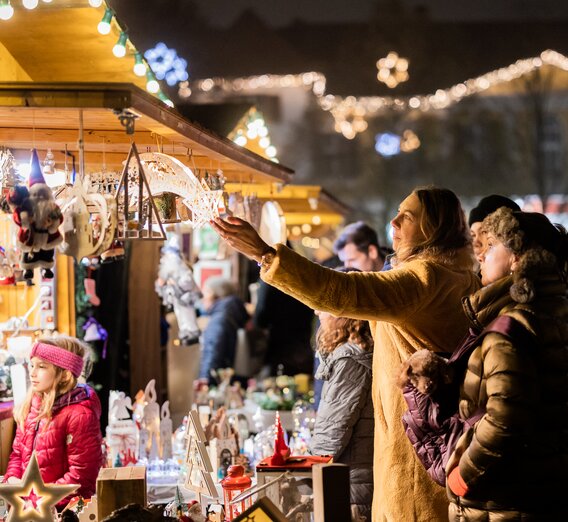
233	485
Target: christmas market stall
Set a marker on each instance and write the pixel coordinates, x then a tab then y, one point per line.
105	186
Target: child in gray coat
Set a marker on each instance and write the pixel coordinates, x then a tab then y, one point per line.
344	424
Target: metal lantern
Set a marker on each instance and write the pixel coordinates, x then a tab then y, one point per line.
233	485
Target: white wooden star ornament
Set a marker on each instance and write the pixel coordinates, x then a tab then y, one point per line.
31	500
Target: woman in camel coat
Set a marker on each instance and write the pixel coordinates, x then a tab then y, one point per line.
415	305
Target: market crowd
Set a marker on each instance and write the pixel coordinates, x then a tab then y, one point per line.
444	364
480	340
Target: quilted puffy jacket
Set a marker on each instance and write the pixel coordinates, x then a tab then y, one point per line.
344	424
514	460
68	447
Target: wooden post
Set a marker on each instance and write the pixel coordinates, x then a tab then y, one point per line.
331	492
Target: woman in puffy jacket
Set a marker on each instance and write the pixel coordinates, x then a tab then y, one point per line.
344	423
512	464
59	419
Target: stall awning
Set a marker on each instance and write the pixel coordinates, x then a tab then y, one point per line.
302	204
48	115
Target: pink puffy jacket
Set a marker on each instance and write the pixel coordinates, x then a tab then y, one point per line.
68	450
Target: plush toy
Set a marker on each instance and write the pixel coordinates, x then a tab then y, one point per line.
38	217
425	370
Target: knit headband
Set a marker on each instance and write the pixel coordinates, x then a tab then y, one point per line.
59	357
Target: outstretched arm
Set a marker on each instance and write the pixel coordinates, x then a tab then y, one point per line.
242	237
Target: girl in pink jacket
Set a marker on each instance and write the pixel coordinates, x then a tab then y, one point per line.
59	419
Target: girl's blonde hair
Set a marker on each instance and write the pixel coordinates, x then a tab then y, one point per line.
64	380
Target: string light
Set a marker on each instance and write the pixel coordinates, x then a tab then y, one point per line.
351	113
95	3
104	24
152	84
119	49
6	10
162	96
314	80
30	4
139	65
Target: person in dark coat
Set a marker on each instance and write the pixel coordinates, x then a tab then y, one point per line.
345	423
289	324
512	464
227	314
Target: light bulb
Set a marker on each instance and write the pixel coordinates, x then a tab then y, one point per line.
165	99
152	84
104	24
271	151
139	65
6	10
47	1
30	4
119	50
264	142
95	3
241	140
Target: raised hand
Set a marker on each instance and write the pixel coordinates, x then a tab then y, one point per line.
241	236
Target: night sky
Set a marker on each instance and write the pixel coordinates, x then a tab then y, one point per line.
282	12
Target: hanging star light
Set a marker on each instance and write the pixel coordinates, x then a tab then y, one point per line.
204	206
31	499
166	64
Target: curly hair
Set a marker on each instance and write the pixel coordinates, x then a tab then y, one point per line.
340	330
443	224
539	246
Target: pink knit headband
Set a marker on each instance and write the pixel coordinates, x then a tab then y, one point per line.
59	357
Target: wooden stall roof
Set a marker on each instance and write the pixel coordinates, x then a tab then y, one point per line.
47	115
300	203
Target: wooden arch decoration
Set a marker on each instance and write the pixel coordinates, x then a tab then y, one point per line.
167	174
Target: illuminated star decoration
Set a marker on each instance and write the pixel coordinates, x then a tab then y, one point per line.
166	64
31	499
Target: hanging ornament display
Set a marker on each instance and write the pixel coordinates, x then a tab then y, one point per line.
90	221
138	217
204	199
49	163
31	499
177	288
38	217
8	173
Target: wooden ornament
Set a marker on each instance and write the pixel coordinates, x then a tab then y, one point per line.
197	459
31	499
133	195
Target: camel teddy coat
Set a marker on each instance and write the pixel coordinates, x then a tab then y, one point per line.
413	306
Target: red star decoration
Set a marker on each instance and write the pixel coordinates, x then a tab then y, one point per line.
33	498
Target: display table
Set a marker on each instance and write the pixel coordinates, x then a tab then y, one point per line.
165	493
